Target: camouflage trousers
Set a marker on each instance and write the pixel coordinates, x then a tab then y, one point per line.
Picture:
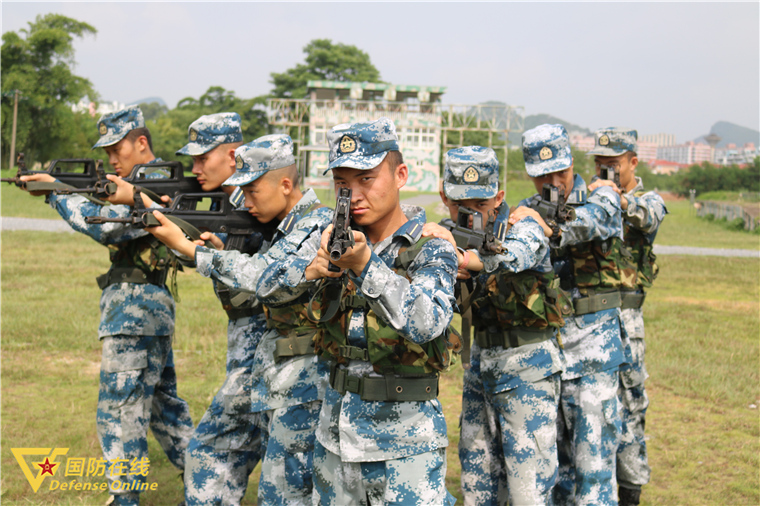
588	433
286	469
508	443
138	389
632	463
414	480
226	446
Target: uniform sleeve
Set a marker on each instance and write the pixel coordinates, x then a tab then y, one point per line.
645	212
283	281
75	208
600	218
420	309
242	271
525	248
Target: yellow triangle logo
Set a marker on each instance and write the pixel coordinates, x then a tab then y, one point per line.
48	466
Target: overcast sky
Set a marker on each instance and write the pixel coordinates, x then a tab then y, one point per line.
673	68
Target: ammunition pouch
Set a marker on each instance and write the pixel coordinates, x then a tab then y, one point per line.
131	275
295	344
597	302
235	313
511	338
230	303
632	300
389	388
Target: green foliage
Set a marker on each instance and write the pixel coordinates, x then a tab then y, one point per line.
38	62
153	110
324	61
169	130
708	177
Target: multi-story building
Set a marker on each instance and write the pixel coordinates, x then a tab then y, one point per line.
733	155
85	105
689	153
659	139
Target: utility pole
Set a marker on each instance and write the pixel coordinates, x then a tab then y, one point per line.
13	132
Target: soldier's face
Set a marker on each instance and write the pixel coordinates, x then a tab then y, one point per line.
624	164
214	167
483	206
122	156
561	179
266	199
374	192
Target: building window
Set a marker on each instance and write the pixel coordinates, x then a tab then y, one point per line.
418	137
320	136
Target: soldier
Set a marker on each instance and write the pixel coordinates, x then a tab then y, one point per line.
138	384
381	436
587	255
281	385
508	434
643	213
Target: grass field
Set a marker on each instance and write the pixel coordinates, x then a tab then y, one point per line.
702	317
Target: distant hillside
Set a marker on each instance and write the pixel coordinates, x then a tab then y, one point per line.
731	133
158	100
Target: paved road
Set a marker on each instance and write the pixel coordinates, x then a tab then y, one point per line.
61	226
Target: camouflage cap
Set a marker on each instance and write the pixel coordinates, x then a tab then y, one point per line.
361	146
114	126
546	149
253	160
208	132
471	172
614	141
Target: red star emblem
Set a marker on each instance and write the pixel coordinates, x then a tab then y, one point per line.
47	467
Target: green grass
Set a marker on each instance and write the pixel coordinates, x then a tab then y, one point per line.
702	317
681	227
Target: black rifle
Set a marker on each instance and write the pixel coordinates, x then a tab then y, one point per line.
552	207
72	173
195	213
341	237
470	233
610	173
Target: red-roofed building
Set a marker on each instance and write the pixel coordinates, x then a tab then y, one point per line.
666	166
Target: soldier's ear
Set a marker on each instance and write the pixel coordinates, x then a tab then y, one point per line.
402	175
499	198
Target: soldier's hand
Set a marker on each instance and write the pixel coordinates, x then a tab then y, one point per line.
173	236
355	257
318	268
606	182
125	193
523	212
43	178
212	238
473	262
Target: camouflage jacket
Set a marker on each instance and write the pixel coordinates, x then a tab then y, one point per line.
526	248
641	221
125	308
419	310
591	342
274	383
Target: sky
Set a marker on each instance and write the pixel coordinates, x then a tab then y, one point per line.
658	67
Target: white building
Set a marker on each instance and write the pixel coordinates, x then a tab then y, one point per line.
689	153
733	155
85	105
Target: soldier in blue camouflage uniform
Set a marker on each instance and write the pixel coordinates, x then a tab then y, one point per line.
508	435
138	385
381	437
643	213
586	254
283	391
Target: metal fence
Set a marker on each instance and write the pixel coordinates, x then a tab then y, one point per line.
728	211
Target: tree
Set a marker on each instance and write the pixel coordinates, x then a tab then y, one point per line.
325	61
38	62
169	131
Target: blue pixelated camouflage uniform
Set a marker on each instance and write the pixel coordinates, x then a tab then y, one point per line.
114	126
588	426
471	172
210	131
286	395
644	213
508	436
138	384
396	449
361	146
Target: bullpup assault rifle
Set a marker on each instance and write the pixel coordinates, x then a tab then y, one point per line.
470	233
195	213
551	206
609	173
341	237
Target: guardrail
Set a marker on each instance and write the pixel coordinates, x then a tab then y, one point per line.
728	211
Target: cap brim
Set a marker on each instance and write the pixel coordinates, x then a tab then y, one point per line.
108	140
468	191
547	167
600	151
243	178
194	149
360	162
